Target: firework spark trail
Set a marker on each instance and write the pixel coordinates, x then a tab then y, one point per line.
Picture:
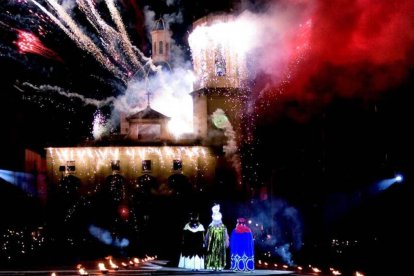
29	43
100	125
60	91
121	28
148	63
148	60
107	34
179	109
86	41
17	19
5	26
166	87
77	35
54	19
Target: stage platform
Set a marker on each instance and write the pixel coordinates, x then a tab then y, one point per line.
155	267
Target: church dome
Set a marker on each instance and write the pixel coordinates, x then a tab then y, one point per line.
159	25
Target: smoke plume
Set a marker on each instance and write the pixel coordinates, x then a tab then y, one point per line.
230	149
279	228
107	238
316	50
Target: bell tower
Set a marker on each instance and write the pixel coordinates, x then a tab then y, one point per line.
220	77
161	42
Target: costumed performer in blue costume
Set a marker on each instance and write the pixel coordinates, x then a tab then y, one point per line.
242	247
192	251
217	240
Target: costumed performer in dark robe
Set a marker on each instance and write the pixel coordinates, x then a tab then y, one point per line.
217	240
242	247
192	253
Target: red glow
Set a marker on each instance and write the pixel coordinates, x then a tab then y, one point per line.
29	43
124	212
357	48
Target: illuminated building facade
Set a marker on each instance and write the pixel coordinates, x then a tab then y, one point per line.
93	164
148	150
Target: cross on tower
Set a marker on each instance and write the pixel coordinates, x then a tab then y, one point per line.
148	98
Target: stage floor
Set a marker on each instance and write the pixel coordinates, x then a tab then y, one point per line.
155	267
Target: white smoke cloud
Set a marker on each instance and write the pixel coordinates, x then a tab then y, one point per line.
72	95
282	34
268	40
149	19
169	18
107	237
284	252
173	18
169	95
230	149
285	225
169	87
170	2
221	121
68	5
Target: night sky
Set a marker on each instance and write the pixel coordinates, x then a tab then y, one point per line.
329	126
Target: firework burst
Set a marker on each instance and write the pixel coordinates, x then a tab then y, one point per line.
99	125
29	43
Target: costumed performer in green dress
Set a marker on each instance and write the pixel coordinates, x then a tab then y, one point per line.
217	241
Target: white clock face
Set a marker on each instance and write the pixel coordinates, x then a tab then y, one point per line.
220	121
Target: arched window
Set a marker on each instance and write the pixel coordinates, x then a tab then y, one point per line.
161	48
220	61
177	165
69	186
145	183
146	165
114	189
155	48
166	48
179	184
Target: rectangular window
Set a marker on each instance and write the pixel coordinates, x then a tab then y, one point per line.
115	165
146	165
220	62
70	166
149	132
161	48
177	165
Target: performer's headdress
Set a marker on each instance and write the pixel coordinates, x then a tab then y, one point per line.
241	220
216	216
216	208
241	226
194	217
